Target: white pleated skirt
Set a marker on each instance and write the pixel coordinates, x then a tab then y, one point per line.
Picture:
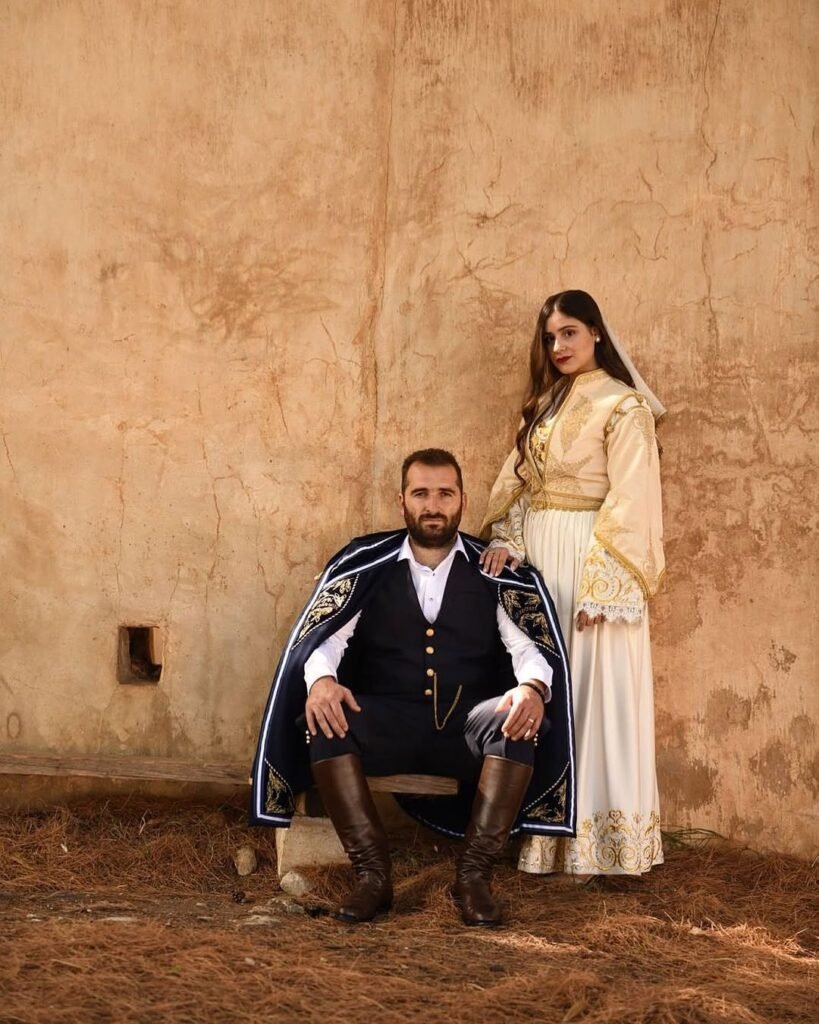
618	812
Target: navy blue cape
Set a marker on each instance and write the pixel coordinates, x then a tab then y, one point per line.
281	768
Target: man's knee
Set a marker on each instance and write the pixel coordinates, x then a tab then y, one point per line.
321	748
486	728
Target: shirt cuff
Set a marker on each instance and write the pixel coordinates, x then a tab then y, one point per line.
316	666
534	669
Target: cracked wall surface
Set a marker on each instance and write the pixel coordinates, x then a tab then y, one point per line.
249	262
189	273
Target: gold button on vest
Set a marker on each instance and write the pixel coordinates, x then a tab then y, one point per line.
430	671
430	650
430	632
427	693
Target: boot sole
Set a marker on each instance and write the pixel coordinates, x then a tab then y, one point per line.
350	919
472	924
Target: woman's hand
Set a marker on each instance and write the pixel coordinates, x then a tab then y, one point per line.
493	560
584	619
526	712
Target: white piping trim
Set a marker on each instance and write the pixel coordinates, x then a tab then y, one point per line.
558	635
569	829
258	782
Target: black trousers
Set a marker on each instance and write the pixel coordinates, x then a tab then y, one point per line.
398	736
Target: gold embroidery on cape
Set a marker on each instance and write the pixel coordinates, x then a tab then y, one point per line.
613	840
277	797
524	610
329	602
553	809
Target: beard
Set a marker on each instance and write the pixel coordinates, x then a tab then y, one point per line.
432	531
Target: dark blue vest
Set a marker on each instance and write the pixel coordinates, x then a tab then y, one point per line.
395	651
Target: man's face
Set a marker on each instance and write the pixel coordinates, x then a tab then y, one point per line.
432	504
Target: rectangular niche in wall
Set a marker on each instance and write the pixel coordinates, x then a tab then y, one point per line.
139	658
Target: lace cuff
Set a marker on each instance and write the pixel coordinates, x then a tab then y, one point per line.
607	588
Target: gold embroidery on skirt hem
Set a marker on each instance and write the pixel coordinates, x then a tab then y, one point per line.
607	843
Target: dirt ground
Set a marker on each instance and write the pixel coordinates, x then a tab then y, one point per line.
134	912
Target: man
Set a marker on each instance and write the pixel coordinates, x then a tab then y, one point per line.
412	649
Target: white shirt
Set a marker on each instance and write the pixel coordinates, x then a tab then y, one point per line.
527	662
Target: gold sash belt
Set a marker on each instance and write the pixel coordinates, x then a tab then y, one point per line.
566	502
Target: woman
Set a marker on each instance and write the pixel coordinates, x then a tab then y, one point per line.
579	498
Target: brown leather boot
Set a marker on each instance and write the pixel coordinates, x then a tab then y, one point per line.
349	803
501	789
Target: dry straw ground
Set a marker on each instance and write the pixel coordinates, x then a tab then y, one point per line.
134	913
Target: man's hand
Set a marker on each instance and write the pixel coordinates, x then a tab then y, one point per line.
494	559
526	714
325	707
584	619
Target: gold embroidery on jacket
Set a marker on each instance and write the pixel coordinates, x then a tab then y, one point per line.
650	564
606	527
539	442
566	502
606	581
524	610
564	474
573	422
644	421
329	602
558	471
636	405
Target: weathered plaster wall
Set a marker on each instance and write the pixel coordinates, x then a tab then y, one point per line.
189	272
251	261
660	157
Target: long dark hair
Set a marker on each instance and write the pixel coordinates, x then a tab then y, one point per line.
543	374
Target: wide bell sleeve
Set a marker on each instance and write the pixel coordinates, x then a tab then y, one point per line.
506	510
624	562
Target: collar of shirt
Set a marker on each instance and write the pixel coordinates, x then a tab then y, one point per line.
430	584
406	554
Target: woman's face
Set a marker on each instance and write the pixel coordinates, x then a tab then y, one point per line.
570	344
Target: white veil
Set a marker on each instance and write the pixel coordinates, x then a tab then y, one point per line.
654	403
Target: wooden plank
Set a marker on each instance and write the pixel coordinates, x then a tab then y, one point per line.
116	766
235	773
422	785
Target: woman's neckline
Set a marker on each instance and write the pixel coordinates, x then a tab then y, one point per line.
598	371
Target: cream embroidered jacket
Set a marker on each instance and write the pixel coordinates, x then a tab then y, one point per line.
597	452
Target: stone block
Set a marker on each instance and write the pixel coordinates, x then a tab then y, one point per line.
309	842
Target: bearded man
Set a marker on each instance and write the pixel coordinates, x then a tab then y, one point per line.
417	661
